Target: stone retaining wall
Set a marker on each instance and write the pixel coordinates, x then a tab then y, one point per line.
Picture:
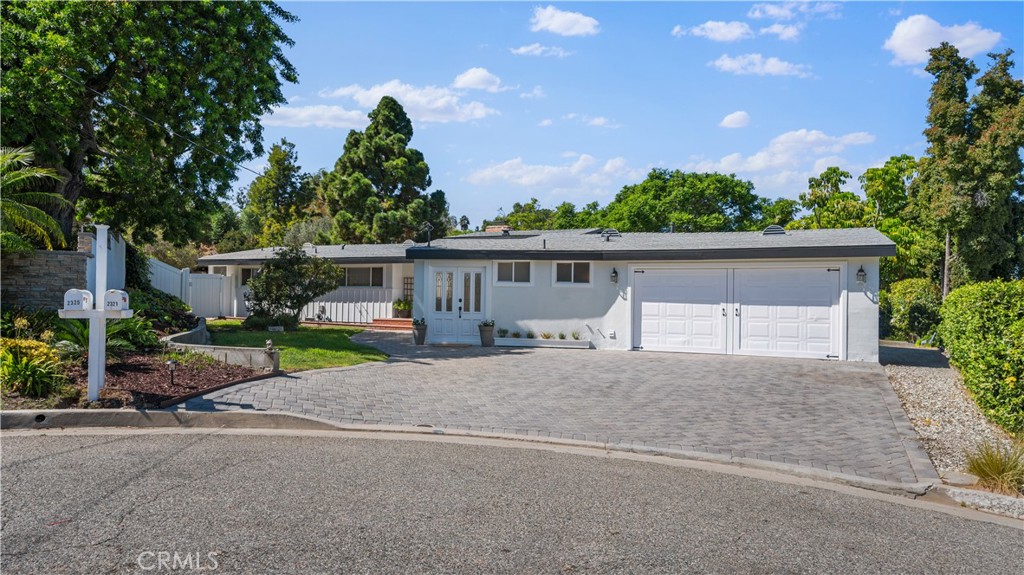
38	280
198	340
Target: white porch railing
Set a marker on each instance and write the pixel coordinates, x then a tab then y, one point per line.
352	305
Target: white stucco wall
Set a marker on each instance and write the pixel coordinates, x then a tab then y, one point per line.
602	311
862	311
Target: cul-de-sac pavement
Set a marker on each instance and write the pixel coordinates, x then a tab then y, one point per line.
529	461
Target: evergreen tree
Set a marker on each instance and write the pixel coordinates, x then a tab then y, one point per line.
377	191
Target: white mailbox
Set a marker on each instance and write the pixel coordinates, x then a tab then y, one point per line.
77	299
115	300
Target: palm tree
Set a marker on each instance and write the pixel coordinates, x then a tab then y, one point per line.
21	219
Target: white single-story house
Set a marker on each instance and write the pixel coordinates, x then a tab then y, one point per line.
375	276
797	293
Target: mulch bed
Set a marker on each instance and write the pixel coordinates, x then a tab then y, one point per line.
141	380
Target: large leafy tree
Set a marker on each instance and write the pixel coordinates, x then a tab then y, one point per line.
288	282
23	224
829	205
279	197
377	191
144	109
692	202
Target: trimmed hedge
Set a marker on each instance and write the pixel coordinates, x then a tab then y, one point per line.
912	309
983	331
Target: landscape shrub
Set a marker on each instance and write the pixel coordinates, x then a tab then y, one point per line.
26	324
999	468
29	367
262	322
138	331
29	348
136	268
288	282
983	331
73	339
911	310
168	313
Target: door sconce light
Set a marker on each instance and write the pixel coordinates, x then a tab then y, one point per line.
615	276
862	276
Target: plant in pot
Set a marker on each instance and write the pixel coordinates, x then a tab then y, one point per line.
419	330
403	308
487	333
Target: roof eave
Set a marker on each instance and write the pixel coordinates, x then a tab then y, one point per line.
789	252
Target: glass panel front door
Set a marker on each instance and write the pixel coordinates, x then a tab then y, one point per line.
458	305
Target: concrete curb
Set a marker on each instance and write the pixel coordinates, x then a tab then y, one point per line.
52	419
61	418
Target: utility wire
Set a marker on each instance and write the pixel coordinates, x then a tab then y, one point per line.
172	133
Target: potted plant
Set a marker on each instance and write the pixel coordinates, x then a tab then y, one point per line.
487	333
419	330
403	308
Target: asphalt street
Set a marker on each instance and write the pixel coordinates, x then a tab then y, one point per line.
130	502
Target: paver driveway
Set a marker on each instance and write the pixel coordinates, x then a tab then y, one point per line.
839	417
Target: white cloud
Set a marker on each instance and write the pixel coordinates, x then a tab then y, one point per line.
738	119
545	122
783	31
913	36
787	152
790	10
758	65
316	117
596	121
538	49
422	103
563	23
479	79
717	31
583	175
536	92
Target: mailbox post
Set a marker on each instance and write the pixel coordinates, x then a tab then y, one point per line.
80	304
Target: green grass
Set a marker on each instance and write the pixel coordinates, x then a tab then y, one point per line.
307	348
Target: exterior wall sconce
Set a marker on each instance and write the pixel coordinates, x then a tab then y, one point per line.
862	276
615	276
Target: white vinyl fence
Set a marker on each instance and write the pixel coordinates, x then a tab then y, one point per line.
206	294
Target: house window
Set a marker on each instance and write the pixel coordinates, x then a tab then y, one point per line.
219	270
247	274
514	272
364	277
572	273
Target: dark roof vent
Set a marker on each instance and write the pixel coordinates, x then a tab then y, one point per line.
774	230
505	232
610	233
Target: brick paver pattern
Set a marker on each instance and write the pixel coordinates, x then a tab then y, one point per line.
841	417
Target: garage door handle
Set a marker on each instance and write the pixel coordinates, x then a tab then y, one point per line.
737	312
723	312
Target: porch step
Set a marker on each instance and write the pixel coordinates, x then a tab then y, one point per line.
392	324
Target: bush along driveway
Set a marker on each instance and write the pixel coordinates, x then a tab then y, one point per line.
832	419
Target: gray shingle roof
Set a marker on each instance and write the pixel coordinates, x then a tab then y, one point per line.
589	244
579	245
351	253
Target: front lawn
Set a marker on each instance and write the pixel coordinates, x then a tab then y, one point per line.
307	348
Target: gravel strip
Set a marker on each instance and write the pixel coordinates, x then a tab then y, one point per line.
948	421
991	502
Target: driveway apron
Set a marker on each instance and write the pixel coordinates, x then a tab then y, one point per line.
840	417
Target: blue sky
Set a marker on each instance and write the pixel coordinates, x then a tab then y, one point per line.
571	101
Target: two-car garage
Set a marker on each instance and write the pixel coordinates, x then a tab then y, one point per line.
784	311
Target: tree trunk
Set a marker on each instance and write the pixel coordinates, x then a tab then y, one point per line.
945	269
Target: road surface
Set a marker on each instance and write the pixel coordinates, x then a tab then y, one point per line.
112	501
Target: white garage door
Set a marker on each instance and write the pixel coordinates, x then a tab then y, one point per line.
681	310
791	312
786	312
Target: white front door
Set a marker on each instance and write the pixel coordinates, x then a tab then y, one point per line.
457	306
681	310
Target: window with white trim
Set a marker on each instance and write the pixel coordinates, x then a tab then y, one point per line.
363	277
247	274
513	272
569	273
